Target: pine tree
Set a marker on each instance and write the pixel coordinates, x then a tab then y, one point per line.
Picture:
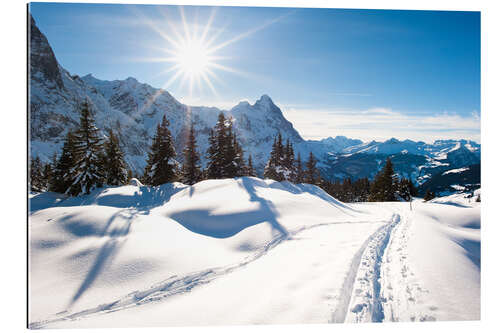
429	195
270	170
233	154
281	163
299	173
88	169
238	159
348	190
361	190
115	167
312	174
250	171
289	162
191	173
279	150
213	170
224	154
406	189
63	171
215	151
160	168
383	187
47	174
36	175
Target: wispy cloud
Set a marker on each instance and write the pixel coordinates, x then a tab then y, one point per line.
384	123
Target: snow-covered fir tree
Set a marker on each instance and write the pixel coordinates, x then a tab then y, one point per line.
249	170
231	160
116	169
224	154
311	174
234	154
348	190
62	175
281	165
289	157
47	174
161	166
191	170
299	172
215	151
405	189
36	179
270	168
88	170
384	187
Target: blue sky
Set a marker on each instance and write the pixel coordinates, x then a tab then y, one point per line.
369	74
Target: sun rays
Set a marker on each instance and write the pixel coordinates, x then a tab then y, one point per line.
192	50
191	53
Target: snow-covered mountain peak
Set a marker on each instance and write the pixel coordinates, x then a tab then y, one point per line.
392	141
265	100
242	104
266	104
340	142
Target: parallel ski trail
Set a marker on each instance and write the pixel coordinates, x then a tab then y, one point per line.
363	293
400	289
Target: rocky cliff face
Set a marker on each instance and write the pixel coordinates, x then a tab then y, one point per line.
43	63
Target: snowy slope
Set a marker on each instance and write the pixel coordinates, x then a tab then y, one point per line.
246	251
429	268
437	265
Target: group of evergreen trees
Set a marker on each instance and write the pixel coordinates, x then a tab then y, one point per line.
282	165
86	161
347	190
40	175
386	186
224	156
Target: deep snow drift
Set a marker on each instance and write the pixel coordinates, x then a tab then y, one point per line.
246	251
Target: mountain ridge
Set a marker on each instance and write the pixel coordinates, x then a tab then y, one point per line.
133	109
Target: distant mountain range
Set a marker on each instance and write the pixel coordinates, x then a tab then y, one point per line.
133	109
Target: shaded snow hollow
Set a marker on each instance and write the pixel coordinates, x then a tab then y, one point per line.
199	255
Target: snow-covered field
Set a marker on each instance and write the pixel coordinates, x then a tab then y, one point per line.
248	251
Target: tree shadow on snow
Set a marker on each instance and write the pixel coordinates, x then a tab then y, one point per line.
206	223
117	226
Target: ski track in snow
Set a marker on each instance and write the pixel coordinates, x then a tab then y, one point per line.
176	285
361	299
400	288
381	286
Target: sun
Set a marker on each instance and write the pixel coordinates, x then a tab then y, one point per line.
193	58
191	49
